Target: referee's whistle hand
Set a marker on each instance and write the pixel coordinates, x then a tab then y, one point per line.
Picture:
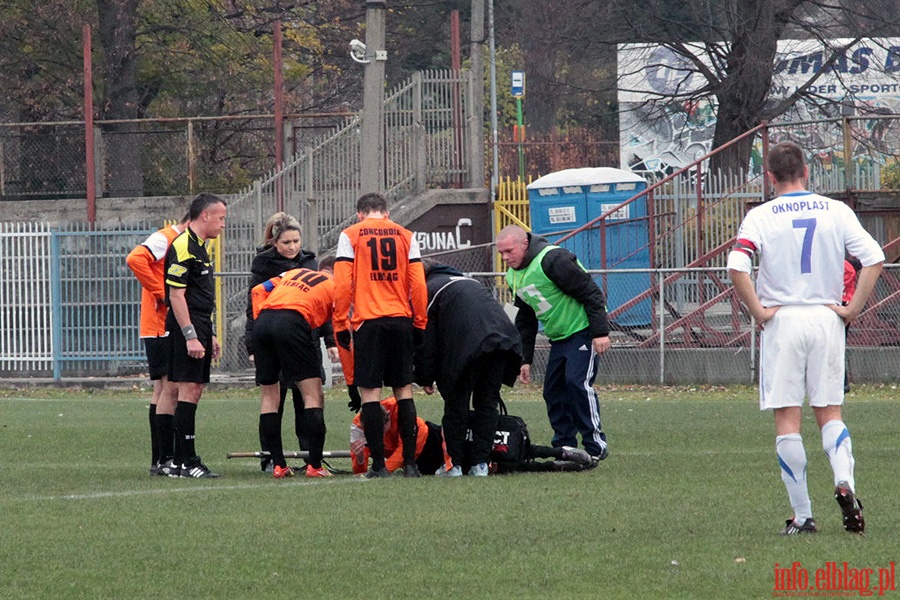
195	349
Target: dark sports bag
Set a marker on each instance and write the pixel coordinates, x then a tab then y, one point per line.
511	440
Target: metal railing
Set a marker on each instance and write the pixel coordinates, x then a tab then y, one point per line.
428	124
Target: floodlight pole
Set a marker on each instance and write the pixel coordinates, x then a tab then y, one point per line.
372	127
476	112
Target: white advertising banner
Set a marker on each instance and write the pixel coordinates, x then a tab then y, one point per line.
866	69
664	136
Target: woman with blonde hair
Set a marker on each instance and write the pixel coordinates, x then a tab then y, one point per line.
281	251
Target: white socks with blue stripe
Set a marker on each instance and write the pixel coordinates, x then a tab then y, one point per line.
836	442
792	460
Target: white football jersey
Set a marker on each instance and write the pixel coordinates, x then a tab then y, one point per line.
801	239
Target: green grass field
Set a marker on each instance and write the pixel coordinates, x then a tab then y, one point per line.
688	505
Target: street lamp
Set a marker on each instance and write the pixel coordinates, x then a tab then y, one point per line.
495	171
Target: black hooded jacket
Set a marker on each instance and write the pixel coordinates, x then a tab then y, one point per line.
562	268
270	263
464	322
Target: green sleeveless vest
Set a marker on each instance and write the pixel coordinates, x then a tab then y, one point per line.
561	315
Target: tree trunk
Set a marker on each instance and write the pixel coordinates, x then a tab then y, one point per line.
122	142
745	88
541	102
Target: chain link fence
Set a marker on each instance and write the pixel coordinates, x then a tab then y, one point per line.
42	161
149	157
696	330
69	307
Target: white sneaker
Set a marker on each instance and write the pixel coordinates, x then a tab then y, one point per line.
479	470
453	471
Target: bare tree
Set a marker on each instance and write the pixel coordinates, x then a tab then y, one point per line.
117	34
730	47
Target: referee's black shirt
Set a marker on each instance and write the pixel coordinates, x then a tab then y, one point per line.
188	266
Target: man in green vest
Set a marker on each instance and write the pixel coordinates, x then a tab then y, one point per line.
551	286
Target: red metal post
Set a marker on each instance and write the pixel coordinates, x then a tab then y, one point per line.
655	301
279	115
89	126
456	66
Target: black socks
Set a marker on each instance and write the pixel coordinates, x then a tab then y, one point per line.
406	421
372	419
185	414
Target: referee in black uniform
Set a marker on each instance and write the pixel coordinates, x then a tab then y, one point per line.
190	293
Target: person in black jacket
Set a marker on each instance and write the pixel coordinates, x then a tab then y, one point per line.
281	251
471	348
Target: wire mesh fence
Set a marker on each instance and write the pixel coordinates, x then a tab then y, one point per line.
42	161
69	307
147	157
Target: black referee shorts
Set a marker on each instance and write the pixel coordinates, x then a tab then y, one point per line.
383	353
183	368
284	349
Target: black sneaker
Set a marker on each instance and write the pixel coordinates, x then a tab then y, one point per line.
411	471
851	508
373	474
197	470
168	468
791	528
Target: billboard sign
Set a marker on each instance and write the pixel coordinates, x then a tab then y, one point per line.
662	137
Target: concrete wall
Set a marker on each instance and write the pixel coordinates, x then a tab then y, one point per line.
111	212
123	211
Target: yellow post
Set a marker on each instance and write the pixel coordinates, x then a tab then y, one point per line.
511	208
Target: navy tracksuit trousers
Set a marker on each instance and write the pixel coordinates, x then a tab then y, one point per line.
572	403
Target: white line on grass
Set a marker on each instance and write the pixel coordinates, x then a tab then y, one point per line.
192	489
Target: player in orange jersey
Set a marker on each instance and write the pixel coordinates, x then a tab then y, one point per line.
286	310
380	291
282	251
147	261
430	452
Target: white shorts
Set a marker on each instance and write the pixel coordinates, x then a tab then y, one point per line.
802	354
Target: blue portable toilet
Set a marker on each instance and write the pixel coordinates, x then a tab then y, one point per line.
567	199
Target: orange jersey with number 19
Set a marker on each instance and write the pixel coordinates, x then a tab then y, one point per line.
308	292
379	273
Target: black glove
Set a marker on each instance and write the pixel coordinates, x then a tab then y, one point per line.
418	337
343	338
355	399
